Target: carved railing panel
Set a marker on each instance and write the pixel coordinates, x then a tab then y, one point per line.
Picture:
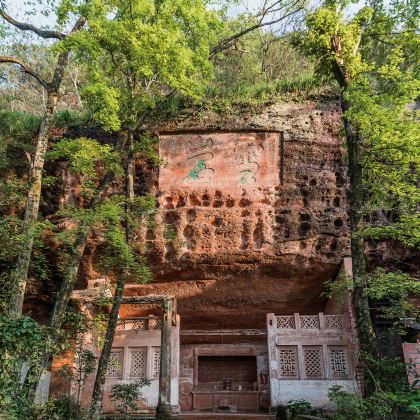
139	324
285	321
334	322
309	322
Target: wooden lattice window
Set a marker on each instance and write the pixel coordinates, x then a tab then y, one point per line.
313	361
156	361
115	363
309	321
287	361
337	358
138	361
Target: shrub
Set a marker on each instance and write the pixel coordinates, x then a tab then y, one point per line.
128	394
67	118
299	407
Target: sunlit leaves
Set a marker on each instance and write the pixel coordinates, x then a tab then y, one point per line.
139	50
83	154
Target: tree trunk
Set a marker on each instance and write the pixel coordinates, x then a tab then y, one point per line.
67	285
20	273
69	279
98	389
360	297
73	264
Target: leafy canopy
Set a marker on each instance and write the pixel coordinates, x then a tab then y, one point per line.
139	50
374	57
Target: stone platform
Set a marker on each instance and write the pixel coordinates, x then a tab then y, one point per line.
227	416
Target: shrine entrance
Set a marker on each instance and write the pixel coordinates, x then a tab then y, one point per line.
227	384
227	373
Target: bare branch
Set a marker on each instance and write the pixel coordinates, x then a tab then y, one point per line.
25	68
28	27
225	44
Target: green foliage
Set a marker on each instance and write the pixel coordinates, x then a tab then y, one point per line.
18	125
118	255
11	237
109	217
84	156
139	50
103	102
380	110
390	291
297	407
339	288
263	91
377	52
257	59
12	192
387	374
405	230
10	228
16	131
20	339
53	409
128	394
381	404
74	322
349	406
69	119
326	25
143	206
147	146
100	321
24	340
84	365
392	397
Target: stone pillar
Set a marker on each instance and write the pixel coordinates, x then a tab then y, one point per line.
272	360
164	409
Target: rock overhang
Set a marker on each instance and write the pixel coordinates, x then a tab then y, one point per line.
258	210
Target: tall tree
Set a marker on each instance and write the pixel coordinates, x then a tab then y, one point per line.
335	44
140	50
376	84
19	274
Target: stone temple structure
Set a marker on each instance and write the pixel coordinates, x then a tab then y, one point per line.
252	221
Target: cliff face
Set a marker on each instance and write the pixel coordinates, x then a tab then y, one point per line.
258	203
252	214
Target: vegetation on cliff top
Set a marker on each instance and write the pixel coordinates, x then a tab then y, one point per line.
110	64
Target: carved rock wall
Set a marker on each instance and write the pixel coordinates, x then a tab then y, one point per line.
258	203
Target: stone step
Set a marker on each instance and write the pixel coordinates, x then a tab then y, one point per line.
200	416
224	416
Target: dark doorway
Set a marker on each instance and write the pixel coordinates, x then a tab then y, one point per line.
242	370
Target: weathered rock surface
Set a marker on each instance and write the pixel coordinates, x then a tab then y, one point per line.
259	207
252	214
